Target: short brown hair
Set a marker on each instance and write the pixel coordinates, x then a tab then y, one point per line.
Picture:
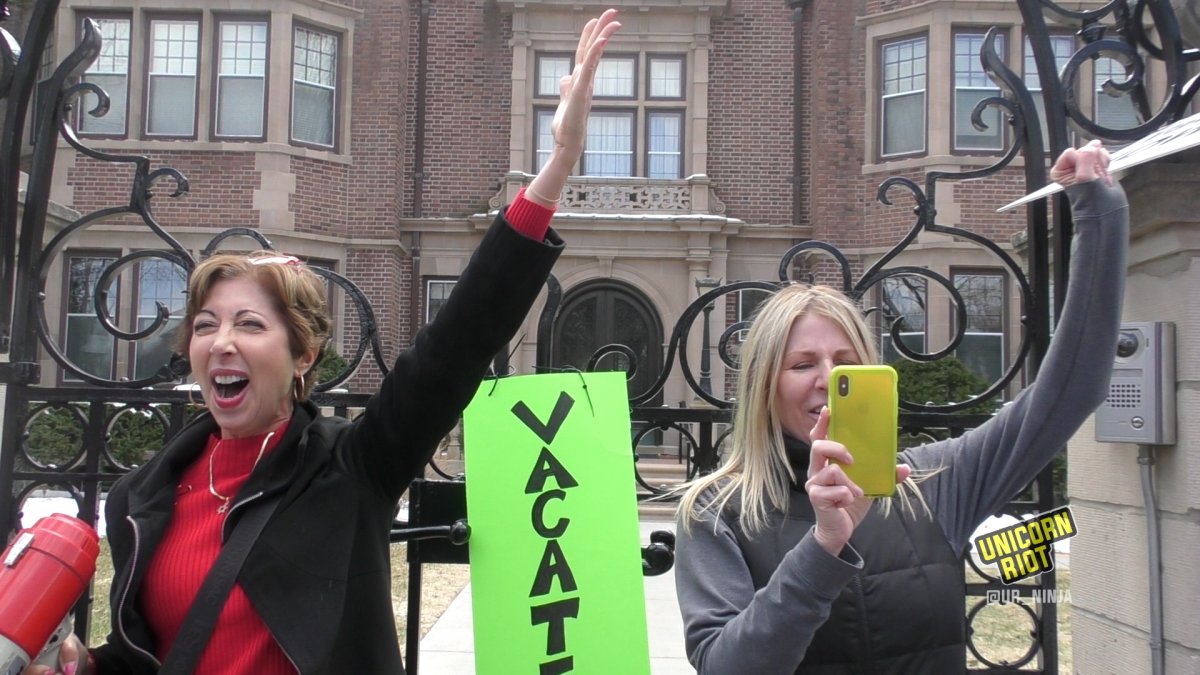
298	293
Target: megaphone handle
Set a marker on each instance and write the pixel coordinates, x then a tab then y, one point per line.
49	653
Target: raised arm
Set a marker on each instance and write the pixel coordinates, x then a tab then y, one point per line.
569	126
434	380
987	466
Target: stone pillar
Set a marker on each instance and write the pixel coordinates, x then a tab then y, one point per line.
1110	622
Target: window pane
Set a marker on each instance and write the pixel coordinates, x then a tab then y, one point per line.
113	122
171	101
551	70
173	47
172	105
155	351
903	96
1062	46
966	137
243	48
749	301
114	47
239	106
158	282
313	94
609	149
972	85
904	124
982	347
914	341
904	298
312	114
665	144
545	139
614	77
437	292
982	354
666	78
1114	113
88	345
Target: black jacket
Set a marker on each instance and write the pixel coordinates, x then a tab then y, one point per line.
320	573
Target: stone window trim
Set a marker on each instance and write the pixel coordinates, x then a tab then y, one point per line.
324	16
996	118
658	29
104	256
338	76
883	47
436	290
893	296
552	94
220	21
176	61
656	57
957	273
1059	40
639	106
118	104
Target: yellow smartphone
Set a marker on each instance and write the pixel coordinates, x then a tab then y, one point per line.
863	416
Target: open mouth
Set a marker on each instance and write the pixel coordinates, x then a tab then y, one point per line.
228	387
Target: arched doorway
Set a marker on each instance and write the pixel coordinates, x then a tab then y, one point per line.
608	312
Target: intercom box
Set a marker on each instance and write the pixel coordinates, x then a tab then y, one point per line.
1140	407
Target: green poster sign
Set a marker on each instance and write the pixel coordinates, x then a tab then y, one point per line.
556	572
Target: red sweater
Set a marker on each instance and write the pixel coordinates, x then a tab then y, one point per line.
240	643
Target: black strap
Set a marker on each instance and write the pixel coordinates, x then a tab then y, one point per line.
210	600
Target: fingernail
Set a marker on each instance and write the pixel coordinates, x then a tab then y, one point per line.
69	669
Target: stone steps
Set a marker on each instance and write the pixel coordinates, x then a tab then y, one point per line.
658	471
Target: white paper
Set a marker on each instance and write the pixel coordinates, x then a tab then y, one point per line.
1167	140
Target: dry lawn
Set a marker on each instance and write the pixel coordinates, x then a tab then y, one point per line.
1002	631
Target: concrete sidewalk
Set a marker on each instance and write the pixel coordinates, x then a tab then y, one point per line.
449	647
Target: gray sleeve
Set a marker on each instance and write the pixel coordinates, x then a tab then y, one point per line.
983	469
731	628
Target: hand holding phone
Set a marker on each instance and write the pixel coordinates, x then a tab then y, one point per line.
863	416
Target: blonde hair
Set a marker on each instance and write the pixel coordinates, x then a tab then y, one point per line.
757	469
297	291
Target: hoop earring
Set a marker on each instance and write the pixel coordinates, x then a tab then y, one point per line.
298	388
191	399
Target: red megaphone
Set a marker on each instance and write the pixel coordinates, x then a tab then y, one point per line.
43	572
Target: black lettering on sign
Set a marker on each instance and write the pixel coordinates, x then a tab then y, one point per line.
539	515
547	465
558	666
554	564
556	614
549	430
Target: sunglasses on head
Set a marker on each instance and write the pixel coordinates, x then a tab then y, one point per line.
276	260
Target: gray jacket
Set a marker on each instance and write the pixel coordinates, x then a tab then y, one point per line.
737	621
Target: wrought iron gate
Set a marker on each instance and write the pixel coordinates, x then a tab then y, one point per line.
1139	35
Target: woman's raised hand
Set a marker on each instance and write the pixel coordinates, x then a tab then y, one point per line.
1080	166
569	126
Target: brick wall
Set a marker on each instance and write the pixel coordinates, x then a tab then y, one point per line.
467	107
221	187
750	111
380	142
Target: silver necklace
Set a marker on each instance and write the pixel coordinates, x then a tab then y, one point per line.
212	483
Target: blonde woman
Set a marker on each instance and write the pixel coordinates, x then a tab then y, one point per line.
782	565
